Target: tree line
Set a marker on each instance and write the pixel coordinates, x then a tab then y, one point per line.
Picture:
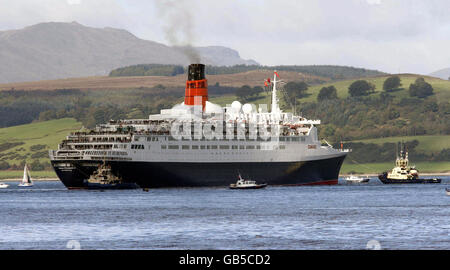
326	71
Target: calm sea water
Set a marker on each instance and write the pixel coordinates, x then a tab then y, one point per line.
47	216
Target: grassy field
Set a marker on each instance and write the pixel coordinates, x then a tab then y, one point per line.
9	174
441	87
424	167
41	135
427	144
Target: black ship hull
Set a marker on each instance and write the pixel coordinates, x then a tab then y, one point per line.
385	180
73	173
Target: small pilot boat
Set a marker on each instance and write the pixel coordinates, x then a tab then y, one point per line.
3	185
104	178
246	184
356	179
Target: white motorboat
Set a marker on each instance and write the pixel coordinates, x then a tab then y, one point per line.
246	184
447	190
26	181
3	185
356	179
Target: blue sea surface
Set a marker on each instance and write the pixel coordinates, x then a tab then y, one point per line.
373	215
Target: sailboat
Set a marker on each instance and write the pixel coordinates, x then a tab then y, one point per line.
26	181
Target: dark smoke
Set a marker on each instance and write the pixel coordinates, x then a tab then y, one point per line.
176	14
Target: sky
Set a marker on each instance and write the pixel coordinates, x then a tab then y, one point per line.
395	36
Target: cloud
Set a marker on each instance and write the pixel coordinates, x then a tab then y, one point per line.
73	2
374	2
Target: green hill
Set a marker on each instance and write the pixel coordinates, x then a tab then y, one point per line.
427	144
441	87
32	141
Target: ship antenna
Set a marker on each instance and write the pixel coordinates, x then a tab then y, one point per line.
275	108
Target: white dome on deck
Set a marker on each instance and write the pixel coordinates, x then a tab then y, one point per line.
236	105
247	108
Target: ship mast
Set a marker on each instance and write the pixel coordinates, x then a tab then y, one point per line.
275	109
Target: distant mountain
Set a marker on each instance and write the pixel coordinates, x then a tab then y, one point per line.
443	74
57	50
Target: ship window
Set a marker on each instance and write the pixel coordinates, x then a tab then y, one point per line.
282	147
258	147
241	147
208	147
282	139
185	147
213	146
295	139
224	147
163	146
137	146
303	139
250	147
202	147
174	147
194	147
234	147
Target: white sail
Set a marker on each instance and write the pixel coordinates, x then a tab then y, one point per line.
26	181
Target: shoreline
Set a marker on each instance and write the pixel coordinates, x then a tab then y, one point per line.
34	180
340	175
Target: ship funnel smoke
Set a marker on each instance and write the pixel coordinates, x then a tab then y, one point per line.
179	25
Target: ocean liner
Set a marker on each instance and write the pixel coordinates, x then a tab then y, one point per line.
199	143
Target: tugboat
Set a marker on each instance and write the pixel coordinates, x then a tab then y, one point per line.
103	178
402	173
246	184
352	179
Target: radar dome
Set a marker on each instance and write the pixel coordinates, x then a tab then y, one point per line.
247	108
236	105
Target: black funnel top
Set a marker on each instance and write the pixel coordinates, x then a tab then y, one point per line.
196	72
